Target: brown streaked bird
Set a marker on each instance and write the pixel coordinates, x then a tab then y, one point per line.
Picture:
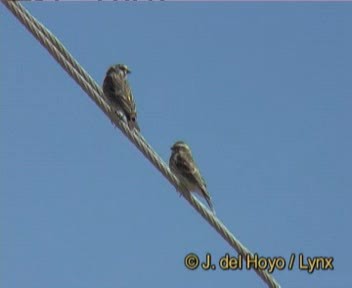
184	167
118	92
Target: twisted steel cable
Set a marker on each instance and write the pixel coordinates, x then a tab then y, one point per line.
94	91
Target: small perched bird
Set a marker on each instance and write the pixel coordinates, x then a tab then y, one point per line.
118	92
184	167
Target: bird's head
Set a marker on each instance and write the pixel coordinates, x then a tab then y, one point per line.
180	146
123	68
119	68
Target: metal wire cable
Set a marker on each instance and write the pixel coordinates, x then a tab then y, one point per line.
94	91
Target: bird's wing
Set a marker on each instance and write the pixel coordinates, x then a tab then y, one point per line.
127	100
119	92
187	165
112	86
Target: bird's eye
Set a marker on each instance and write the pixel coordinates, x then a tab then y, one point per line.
133	119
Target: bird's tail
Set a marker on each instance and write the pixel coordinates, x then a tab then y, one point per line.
208	199
133	125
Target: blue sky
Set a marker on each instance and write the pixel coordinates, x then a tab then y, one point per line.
262	92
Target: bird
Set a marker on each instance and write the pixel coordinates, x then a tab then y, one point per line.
118	92
182	164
